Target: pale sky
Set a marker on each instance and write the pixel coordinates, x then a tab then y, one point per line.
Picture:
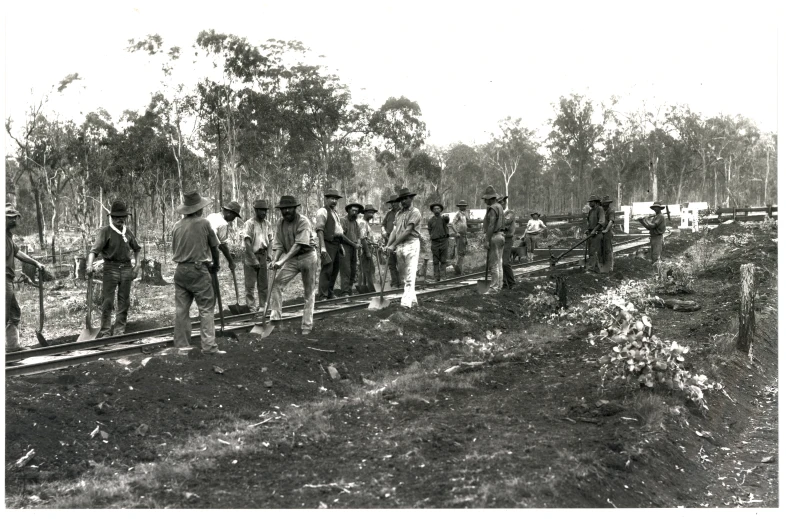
468	64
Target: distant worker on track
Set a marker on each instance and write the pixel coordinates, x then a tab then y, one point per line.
294	251
459	232
404	241
114	244
257	236
494	238
439	233
195	250
656	224
367	244
607	245
348	265
387	227
220	224
330	234
596	220
532	234
13	314
509	228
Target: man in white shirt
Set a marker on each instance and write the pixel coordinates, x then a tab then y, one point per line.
257	237
535	228
219	222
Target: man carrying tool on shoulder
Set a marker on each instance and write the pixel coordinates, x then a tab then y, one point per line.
294	252
596	220
257	236
220	224
366	277
114	244
330	235
509	228
13	314
387	227
494	238
195	250
348	265
404	241
657	226
439	233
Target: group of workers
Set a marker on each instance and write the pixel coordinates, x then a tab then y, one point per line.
334	245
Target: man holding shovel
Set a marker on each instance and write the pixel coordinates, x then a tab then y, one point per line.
348	264
114	243
293	252
195	250
438	231
387	227
219	222
596	220
366	277
330	235
13	314
459	227
257	235
607	247
494	238
404	241
509	228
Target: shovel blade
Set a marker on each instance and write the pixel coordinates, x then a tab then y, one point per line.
88	334
378	303
226	334
234	310
263	330
41	339
483	286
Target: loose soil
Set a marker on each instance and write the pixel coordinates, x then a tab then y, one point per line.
531	428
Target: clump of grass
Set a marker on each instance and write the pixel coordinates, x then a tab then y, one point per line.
650	409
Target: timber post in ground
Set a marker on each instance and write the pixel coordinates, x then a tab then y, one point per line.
747	316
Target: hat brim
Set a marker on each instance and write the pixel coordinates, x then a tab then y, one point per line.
594	200
189	209
370	210
284	206
461	205
333	196
15	214
232	211
489	197
441	207
120	213
266	207
411	195
657	207
350	206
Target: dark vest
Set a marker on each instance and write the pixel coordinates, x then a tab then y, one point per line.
330	227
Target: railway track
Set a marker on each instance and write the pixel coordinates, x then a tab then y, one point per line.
40	360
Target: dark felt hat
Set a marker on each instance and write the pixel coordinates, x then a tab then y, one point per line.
261	204
192	203
333	192
606	199
533	213
233	207
658	204
370	208
10	211
490	192
441	207
403	193
118	209
502	198
392	198
354	204
593	198
287	201
461	203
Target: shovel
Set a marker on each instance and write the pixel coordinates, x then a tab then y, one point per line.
483	286
266	328
220	333
89	333
379	302
39	333
237	309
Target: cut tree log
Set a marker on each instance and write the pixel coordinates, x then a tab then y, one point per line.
151	272
747	315
678	305
562	291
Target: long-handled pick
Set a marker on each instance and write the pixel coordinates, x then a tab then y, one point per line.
237	308
379	302
483	286
39	333
266	328
217	290
89	333
554	260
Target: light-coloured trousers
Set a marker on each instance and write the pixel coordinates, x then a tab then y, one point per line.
193	283
407	256
255	280
495	261
306	265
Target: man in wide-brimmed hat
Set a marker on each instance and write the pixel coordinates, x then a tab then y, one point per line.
596	221
494	237
13	314
509	228
606	245
330	234
387	227
220	224
458	228
348	263
367	244
532	234
114	243
195	250
404	241
439	233
657	226
257	236
294	251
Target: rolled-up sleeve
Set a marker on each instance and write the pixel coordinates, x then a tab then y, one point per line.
321	219
303	232
100	242
278	243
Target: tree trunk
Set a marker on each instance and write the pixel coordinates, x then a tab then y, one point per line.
747	316
220	179
767	177
39	211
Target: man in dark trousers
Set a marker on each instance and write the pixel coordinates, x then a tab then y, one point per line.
348	265
387	227
459	225
195	250
494	238
438	231
330	235
509	228
13	314
657	226
607	246
257	235
114	244
596	220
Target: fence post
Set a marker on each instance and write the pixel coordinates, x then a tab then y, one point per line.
769	211
747	316
562	291
734	214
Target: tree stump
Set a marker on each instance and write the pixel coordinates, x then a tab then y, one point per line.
31	272
747	316
562	291
151	272
80	264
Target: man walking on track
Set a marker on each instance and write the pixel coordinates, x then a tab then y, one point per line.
195	250
220	224
596	221
294	251
438	230
535	227
657	226
13	314
459	225
494	238
348	265
509	228
366	277
257	236
387	227
114	244
607	247
330	235
404	241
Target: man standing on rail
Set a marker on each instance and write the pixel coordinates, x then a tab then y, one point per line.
195	250
330	235
404	241
509	228
114	244
438	231
459	227
596	220
294	251
607	247
494	238
348	265
366	277
657	226
535	227
220	224
257	236
387	227
13	314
